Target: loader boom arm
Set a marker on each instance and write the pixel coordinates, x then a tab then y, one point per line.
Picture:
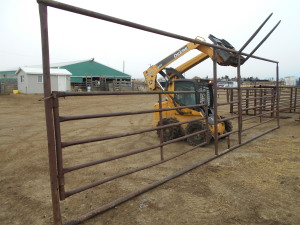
152	72
206	52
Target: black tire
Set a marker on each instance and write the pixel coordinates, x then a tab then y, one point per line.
198	138
170	132
228	125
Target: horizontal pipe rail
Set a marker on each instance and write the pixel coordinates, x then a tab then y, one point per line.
228	118
101	16
259	124
260	135
97	93
158	183
227	103
93	116
258	115
288	108
258	97
94	184
138	192
227	134
266	87
267	110
89	140
256	107
84	165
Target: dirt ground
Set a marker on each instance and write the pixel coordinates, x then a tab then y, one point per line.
258	183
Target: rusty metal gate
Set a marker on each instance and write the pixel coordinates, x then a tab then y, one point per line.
61	145
265	104
289	99
258	99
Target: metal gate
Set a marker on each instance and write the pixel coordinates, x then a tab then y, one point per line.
162	157
266	107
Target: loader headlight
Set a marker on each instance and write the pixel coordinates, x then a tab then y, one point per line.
211	120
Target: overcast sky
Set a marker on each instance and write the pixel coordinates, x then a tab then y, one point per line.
74	37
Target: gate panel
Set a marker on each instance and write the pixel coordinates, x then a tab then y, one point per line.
158	148
61	149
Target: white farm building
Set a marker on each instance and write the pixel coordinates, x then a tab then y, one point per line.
30	80
291	81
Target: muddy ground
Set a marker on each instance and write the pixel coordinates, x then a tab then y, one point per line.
258	183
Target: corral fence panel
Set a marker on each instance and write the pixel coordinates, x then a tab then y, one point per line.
7	85
111	85
263	97
264	102
61	145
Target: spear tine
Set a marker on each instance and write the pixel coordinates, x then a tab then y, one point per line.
253	35
254	50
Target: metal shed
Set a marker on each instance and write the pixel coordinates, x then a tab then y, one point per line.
30	80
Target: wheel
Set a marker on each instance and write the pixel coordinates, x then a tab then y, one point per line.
198	138
170	132
228	125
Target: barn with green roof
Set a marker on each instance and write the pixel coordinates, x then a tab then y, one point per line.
81	70
89	73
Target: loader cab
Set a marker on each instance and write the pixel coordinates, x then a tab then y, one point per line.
203	92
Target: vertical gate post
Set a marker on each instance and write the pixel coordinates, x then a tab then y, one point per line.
239	100
161	130
231	100
247	102
261	103
206	119
60	174
255	100
277	94
49	116
227	95
295	99
215	106
291	100
272	102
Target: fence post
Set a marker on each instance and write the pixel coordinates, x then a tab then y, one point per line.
215	102
231	100
255	101
57	220
291	100
227	95
247	101
295	99
277	94
60	173
240	119
260	103
161	136
272	102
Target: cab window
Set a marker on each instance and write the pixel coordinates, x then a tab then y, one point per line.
185	99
